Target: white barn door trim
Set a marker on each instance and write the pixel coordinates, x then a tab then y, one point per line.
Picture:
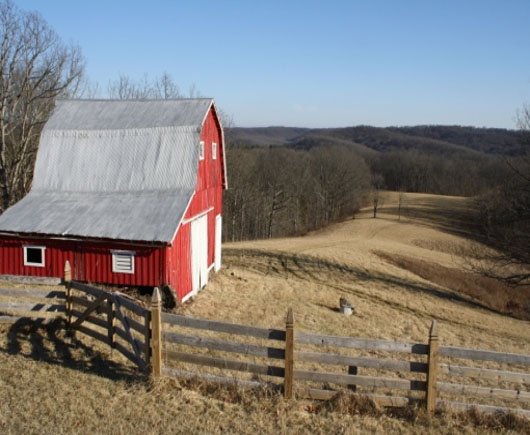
218	239
199	253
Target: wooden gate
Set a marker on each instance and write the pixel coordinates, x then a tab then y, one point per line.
112	318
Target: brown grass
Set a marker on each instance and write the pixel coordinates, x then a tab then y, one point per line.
489	292
49	384
95	392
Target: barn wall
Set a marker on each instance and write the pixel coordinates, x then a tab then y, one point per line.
208	195
91	262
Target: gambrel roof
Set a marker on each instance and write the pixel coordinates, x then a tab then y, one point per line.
113	169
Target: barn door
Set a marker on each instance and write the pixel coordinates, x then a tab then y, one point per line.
199	253
218	238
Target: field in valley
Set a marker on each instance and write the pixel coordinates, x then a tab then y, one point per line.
398	274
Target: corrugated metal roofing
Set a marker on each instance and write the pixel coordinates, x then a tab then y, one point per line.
113	169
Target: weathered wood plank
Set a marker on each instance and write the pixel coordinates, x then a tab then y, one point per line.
482	408
229	328
222	345
91	319
473	390
120	332
156	334
479	372
80	301
130	304
484	355
367	381
289	355
220	363
136	325
31	306
243	383
94	291
33	293
361	343
343	360
125	323
381	400
432	371
92	333
38	280
100	300
130	355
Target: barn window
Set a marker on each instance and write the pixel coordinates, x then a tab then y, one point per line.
34	256
201	150
123	262
214	151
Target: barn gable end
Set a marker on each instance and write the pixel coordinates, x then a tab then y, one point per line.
120	175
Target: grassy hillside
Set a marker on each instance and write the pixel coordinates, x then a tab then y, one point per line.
397	274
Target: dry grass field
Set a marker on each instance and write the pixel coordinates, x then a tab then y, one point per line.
399	275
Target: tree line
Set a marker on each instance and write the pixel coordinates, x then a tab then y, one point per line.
274	191
278	191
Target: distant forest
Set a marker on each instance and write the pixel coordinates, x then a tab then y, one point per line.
287	181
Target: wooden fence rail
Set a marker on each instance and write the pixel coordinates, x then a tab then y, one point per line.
298	362
426	386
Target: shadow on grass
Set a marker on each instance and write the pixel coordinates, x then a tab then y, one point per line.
52	343
317	270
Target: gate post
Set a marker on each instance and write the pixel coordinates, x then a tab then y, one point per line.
432	372
68	301
156	334
289	355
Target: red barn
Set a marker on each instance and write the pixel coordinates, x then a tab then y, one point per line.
129	192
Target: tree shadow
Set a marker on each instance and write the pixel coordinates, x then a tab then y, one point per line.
316	270
52	343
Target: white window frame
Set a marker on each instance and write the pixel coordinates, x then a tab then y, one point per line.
43	256
115	268
201	150
214	150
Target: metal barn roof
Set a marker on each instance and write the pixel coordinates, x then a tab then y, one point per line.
113	169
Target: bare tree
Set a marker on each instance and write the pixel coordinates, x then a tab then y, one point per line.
504	216
163	87
35	69
377	185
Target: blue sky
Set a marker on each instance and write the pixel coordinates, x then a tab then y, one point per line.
316	63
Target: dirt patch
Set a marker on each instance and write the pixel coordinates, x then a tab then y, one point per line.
489	292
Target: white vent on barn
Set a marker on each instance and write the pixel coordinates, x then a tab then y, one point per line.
214	151
123	262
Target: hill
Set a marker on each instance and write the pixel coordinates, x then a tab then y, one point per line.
398	274
430	138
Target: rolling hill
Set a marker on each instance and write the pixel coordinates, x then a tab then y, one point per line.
436	139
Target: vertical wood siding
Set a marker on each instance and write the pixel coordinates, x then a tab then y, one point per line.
208	194
91	262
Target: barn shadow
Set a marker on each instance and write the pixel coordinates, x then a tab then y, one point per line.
50	342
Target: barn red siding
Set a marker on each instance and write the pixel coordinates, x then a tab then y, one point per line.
154	266
91	262
208	195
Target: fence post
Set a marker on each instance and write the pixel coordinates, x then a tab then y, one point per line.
432	373
68	301
110	322
156	334
289	355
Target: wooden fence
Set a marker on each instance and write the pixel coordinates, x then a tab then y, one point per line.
299	363
36	303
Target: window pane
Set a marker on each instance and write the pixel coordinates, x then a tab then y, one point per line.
34	255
